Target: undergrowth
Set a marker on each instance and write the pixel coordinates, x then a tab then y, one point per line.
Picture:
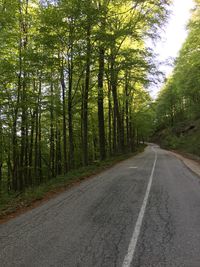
11	202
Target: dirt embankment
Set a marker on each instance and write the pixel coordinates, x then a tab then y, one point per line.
183	137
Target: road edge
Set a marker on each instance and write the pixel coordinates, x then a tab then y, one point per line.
192	165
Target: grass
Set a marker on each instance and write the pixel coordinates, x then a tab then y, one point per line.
11	203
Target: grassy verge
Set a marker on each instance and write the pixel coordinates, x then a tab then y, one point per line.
13	203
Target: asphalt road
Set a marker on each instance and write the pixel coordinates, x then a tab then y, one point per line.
104	221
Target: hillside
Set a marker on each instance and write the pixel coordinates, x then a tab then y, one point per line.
177	105
184	137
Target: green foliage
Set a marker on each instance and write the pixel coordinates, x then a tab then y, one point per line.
177	107
179	100
178	104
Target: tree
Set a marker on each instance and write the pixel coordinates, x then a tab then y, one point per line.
72	74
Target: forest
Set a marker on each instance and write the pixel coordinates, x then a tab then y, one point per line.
178	103
73	84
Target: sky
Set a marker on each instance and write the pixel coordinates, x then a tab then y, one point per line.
172	38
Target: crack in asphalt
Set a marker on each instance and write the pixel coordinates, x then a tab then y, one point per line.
90	225
111	228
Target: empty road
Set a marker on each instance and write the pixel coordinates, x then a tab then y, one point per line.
144	211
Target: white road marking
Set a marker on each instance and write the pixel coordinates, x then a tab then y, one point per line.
133	167
132	245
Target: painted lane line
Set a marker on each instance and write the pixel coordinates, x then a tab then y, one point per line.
132	245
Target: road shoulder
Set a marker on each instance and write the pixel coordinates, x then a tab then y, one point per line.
193	165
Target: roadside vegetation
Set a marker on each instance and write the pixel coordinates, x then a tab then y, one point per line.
12	202
178	104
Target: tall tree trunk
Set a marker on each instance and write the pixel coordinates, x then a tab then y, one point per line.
30	159
70	114
9	168
39	145
115	103
23	100
117	123
52	146
15	152
23	138
109	119
85	95
122	133
65	163
131	132
37	163
58	151
100	105
127	112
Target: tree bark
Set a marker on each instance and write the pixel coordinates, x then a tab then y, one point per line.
52	145
58	151
65	163
109	119
38	163
117	123
70	114
101	106
85	94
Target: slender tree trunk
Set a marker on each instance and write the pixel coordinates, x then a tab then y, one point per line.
115	103
127	113
132	133
122	133
23	100
37	163
39	144
58	151
102	144
52	146
65	163
15	153
85	95
109	120
9	174
23	139
70	114
36	144
15	150
30	160
117	124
